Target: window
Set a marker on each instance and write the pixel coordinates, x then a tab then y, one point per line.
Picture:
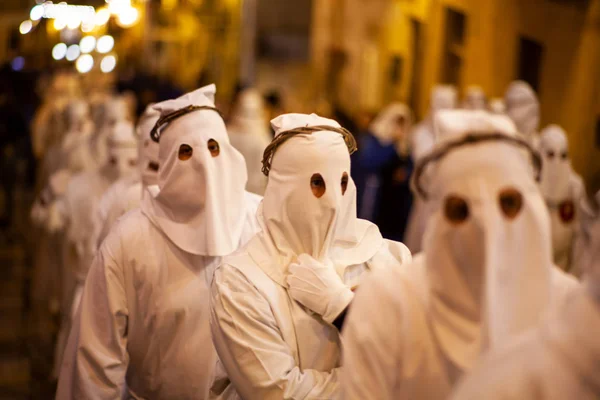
530	62
454	41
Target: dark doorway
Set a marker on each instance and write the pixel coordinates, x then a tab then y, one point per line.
454	42
529	66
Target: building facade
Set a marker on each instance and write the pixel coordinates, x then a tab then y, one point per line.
368	54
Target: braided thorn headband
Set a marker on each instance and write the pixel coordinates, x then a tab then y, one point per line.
471	139
162	121
284	136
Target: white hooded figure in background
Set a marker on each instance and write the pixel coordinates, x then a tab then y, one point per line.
486	273
249	134
126	194
556	361
523	107
142	329
78	208
443	97
92	153
564	190
475	99
277	304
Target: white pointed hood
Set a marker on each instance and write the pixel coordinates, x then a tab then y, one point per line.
148	148
487	245
523	107
200	199
556	165
294	220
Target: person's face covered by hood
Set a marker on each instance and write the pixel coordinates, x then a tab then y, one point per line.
523	107
443	97
487	245
475	99
148	148
556	165
392	125
201	179
78	116
122	150
307	183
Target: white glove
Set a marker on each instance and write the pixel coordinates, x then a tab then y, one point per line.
318	287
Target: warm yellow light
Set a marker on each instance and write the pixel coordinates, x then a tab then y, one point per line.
128	17
59	51
105	44
108	64
59	24
102	16
87	44
84	64
116	7
87	28
25	27
73	22
73	52
36	13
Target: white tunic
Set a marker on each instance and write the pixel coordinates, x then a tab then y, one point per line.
559	360
142	326
270	345
391	350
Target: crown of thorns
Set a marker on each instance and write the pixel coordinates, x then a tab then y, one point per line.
164	120
472	139
304	130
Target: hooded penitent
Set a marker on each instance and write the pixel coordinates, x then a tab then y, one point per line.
523	107
203	162
475	98
126	193
143	330
486	274
249	133
274	301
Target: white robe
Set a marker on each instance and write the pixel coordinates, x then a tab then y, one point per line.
270	345
142	326
559	360
390	348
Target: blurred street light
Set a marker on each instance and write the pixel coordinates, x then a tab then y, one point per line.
128	17
105	44
59	24
87	44
37	12
25	27
108	64
102	16
84	64
59	51
73	52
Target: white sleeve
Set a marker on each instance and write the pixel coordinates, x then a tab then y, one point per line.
371	342
95	360
258	361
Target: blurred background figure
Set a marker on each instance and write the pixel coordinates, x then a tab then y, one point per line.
523	107
443	97
475	99
249	133
564	193
497	106
382	168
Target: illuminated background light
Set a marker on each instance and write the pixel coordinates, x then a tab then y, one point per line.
25	27
108	64
59	24
73	22
73	52
105	44
102	17
59	51
87	44
85	63
17	63
128	17
36	13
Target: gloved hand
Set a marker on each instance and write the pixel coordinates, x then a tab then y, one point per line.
318	287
